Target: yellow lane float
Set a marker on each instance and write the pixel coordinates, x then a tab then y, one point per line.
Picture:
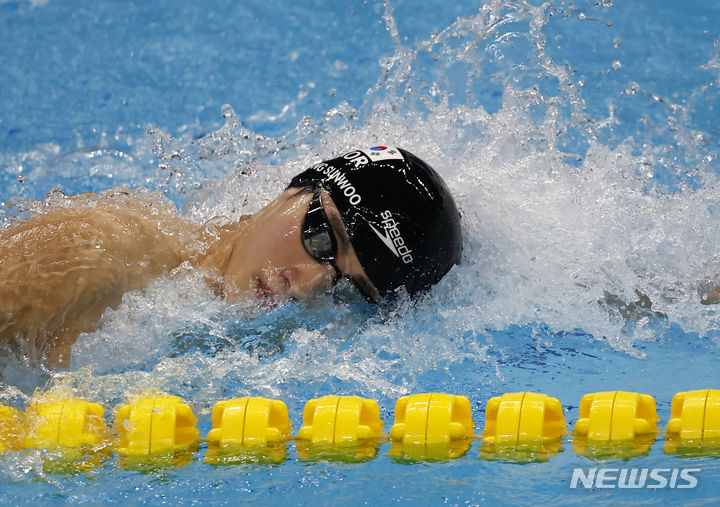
432	425
340	428
248	430
161	430
340	419
694	426
522	426
249	421
58	422
615	423
616	415
155	424
10	428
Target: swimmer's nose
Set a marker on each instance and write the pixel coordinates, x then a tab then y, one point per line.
306	280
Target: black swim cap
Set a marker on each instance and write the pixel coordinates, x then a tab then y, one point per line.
399	214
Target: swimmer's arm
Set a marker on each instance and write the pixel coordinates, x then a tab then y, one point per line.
61	270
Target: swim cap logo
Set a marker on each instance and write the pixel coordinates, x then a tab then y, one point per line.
392	238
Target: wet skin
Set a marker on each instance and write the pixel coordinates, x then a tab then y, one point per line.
277	263
61	269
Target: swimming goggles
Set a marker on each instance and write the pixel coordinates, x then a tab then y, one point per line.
317	235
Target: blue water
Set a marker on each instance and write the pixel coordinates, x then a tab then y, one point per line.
581	140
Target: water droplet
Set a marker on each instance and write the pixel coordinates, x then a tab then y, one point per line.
632	89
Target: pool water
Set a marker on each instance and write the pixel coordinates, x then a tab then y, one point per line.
581	140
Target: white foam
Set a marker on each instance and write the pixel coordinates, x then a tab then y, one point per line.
549	231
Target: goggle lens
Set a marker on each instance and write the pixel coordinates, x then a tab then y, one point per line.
318	237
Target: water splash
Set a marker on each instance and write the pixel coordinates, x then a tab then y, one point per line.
567	223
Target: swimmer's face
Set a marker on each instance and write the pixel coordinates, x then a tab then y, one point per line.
268	258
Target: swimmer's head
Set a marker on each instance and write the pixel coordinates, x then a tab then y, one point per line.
399	215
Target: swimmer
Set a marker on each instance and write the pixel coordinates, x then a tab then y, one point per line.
379	217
